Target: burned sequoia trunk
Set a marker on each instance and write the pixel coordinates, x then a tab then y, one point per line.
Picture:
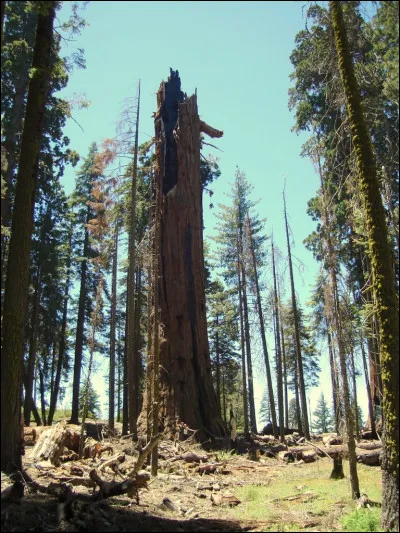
186	389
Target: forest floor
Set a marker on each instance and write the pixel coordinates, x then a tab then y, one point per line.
233	493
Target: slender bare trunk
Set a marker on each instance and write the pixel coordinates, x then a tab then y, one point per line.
278	352
133	379
302	388
263	337
111	380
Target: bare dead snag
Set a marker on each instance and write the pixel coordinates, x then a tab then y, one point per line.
185	383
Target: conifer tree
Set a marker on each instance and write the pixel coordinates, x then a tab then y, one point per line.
16	288
382	272
322	416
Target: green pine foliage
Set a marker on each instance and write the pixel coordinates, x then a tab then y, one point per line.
322	416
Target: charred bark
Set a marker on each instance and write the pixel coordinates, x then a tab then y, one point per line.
186	390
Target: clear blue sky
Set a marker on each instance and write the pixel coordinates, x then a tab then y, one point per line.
236	54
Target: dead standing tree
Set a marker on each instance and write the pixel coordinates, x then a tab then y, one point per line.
186	391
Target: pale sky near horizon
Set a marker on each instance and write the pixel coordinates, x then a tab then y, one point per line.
236	54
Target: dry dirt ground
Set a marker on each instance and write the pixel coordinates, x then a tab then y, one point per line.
181	498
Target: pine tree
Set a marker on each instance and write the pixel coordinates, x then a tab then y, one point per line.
16	288
322	416
88	174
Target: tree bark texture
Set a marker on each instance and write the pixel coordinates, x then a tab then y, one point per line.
17	281
186	389
32	352
383	282
80	329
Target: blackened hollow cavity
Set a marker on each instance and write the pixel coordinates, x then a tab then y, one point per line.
169	114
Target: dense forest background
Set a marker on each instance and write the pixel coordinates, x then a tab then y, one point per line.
84	268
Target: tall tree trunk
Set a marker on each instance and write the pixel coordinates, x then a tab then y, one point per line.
35	412
111	380
80	327
17	281
278	353
224	399
32	351
125	388
334	315
138	355
156	323
371	415
243	352
120	374
355	403
252	409
334	379
302	388
63	335
262	331
3	11
42	391
382	274
297	398
217	366
186	388
95	322
284	370
11	146
133	378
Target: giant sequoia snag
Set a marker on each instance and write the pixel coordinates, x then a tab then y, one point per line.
186	389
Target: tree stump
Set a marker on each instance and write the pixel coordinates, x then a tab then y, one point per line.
337	472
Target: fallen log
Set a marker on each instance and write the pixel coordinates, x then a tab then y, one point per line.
332	440
209	468
114	488
190	457
370	459
369	445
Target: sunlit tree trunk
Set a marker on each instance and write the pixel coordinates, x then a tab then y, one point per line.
383	282
299	358
111	380
133	378
186	388
278	353
80	326
263	337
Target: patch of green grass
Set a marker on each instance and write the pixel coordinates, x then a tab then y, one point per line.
224	455
298	495
362	520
